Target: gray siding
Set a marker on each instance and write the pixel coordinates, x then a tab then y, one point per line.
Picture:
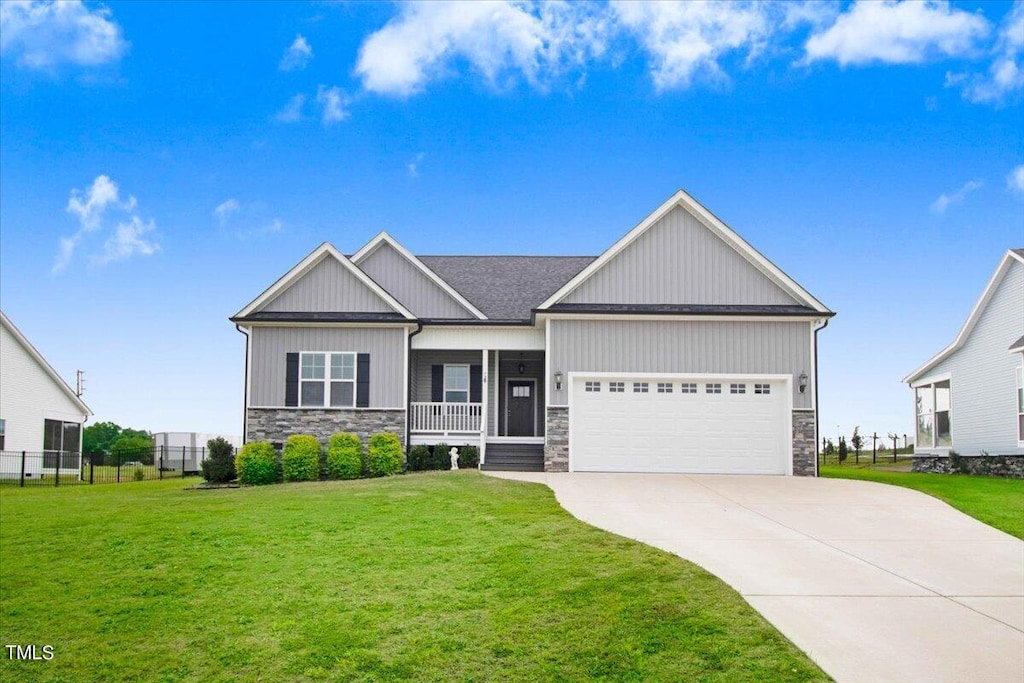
409	285
386	347
329	286
679	261
534	362
682	346
983	388
425	359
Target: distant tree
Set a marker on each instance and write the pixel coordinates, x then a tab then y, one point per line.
830	448
843	450
132	448
97	437
857	441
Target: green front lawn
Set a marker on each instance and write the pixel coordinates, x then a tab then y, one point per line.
441	576
995	501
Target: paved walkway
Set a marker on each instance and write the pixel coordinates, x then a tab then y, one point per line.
874	582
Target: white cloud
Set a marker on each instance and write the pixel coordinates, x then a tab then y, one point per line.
1015	179
297	56
44	35
247	219
413	167
225	209
292	111
427	41
127	241
890	32
1005	76
944	200
334	102
90	206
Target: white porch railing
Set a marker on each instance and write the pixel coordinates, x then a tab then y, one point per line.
441	418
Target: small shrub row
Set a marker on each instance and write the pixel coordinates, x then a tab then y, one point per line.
437	458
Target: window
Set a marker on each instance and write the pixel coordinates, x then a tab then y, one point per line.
592	387
737	388
687	388
1020	407
639	387
933	415
521	391
713	388
456	384
61	440
617	387
664	387
329	377
762	389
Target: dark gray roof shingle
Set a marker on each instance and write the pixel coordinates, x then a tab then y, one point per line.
1019	344
1018	252
506	287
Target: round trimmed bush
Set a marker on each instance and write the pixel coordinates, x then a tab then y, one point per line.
439	458
300	460
420	458
257	464
469	457
384	455
345	457
219	465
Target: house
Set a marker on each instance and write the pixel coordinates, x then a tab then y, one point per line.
175	451
968	398
39	412
679	349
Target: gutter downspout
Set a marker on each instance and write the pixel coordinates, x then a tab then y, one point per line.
245	387
408	389
816	331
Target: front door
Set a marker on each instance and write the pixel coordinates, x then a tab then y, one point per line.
520	407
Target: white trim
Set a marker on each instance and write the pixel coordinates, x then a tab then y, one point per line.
485	390
307	264
1018	375
444	382
932	379
930	449
741	246
497	390
383	237
476	337
38	357
543	316
972	319
405	382
533	412
536	440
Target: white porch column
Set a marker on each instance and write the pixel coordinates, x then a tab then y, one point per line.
484	391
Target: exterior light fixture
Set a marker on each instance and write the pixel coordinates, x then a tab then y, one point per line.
558	380
521	368
803	382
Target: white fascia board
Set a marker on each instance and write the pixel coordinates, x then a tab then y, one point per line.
972	319
44	364
932	379
397	325
325	250
713	223
652	317
383	237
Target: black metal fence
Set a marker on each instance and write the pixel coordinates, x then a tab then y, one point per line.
40	468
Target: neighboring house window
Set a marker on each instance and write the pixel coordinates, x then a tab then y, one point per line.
61	439
329	377
592	387
456	383
688	388
664	387
617	387
933	415
1020	405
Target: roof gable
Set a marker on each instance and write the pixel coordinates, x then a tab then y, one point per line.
683	254
325	281
43	363
414	284
1010	259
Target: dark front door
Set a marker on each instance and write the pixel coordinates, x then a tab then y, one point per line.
519	408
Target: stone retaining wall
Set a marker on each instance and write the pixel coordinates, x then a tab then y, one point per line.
993	465
277	424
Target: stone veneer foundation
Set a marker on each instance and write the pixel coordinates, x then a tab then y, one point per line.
277	424
1011	466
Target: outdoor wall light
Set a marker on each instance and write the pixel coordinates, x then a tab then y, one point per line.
803	382
558	380
521	368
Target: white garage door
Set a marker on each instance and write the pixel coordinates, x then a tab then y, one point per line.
636	423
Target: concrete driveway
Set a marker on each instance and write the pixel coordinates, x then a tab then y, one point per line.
874	582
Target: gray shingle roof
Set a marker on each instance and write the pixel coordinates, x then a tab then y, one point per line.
1019	344
506	287
1018	252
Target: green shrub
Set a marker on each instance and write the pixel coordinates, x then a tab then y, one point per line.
139	474
257	463
469	457
300	460
384	455
219	466
439	459
420	458
345	457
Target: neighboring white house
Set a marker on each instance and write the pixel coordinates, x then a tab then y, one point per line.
39	413
968	398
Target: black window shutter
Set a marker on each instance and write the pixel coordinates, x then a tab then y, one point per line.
363	380
476	383
291	379
436	383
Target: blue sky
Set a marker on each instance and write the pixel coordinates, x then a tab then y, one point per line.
162	163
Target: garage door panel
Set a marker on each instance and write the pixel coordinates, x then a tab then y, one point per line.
679	432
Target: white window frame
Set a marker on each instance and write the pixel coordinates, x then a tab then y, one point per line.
454	389
1019	372
327	381
929	384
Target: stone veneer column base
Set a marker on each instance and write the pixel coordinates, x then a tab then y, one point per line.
1011	466
556	440
805	444
277	424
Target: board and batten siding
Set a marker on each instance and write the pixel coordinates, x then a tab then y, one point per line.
423	361
983	387
328	286
410	286
269	346
683	347
28	395
678	260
